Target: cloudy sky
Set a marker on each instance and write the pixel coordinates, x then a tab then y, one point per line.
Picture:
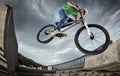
31	15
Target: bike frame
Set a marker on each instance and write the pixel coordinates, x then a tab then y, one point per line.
80	21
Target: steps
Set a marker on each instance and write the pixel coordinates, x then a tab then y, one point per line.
87	73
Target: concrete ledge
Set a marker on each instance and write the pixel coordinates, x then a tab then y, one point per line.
27	74
47	75
3	64
1	52
89	73
108	60
1	57
73	74
67	71
56	74
3	74
59	72
3	12
81	74
64	75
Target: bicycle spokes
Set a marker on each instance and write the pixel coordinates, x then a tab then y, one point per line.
44	35
48	31
92	42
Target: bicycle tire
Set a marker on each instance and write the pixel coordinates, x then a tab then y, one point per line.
42	29
97	51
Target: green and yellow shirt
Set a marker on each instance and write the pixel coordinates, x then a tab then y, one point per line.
70	10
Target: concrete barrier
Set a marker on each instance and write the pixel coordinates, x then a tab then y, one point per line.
1	52
47	75
3	61
56	74
3	64
59	72
10	42
3	11
64	75
108	60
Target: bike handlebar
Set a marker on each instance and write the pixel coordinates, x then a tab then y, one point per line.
82	12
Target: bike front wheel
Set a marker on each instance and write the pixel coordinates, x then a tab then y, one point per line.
95	45
43	36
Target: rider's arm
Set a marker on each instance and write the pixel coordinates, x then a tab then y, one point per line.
76	6
73	5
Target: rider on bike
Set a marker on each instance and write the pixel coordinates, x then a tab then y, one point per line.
70	9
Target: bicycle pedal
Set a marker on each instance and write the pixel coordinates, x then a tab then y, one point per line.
61	35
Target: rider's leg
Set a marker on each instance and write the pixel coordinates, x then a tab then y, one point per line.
70	20
63	17
67	23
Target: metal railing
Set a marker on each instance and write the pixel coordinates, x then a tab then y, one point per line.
73	64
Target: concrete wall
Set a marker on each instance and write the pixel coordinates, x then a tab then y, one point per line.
3	10
3	61
108	60
10	42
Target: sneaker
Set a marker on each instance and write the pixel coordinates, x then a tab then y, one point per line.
61	35
58	34
53	34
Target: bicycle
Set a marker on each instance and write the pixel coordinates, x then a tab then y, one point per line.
91	39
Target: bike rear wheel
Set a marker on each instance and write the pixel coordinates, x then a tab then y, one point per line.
43	36
95	45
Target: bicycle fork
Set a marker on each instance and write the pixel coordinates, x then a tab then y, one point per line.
88	30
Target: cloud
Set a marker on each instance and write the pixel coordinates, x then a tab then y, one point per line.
115	18
63	51
37	8
55	61
113	25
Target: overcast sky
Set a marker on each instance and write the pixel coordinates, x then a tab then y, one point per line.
31	15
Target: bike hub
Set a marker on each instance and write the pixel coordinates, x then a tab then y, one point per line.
91	36
46	33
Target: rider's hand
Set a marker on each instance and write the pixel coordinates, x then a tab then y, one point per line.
83	11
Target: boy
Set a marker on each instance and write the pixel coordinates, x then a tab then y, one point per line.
70	9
